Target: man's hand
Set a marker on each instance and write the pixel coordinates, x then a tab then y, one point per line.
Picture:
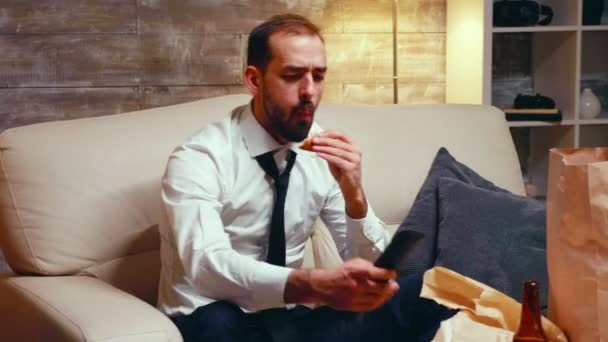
344	159
356	286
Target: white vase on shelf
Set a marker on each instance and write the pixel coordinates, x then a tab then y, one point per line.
590	105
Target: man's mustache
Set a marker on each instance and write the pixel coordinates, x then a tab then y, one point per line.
305	105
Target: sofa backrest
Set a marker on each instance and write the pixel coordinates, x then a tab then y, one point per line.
399	143
83	196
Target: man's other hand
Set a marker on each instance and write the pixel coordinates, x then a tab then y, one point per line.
357	285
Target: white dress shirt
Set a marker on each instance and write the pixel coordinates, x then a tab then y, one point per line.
219	204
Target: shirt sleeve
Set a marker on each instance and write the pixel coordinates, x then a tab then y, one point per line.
191	193
350	234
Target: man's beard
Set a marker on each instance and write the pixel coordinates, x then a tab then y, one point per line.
298	131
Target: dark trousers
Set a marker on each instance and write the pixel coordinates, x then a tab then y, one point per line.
406	317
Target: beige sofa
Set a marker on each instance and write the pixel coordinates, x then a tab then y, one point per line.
80	204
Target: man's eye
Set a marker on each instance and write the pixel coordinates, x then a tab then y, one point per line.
319	78
291	77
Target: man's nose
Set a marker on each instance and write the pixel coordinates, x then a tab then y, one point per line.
307	87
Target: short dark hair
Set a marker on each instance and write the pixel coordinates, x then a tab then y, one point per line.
258	46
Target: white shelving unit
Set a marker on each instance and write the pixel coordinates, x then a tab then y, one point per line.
490	65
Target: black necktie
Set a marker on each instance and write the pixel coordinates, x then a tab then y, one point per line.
276	250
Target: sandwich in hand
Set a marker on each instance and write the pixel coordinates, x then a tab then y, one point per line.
307	144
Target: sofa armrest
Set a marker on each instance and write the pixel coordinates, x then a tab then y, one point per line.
77	308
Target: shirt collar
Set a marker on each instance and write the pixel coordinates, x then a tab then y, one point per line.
257	140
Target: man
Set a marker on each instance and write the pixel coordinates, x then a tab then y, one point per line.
223	262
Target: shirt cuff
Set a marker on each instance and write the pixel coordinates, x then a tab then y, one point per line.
271	287
372	229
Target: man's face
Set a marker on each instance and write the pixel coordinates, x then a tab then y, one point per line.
292	86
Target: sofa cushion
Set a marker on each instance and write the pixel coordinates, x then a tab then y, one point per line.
494	237
423	216
76	308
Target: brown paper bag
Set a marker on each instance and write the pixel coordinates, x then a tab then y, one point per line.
577	242
485	313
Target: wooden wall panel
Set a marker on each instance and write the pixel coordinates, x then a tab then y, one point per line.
68	16
120	60
365	16
177	51
333	93
69	60
184	59
359	58
422	15
30	105
421	57
422	92
375	93
368	16
382	93
164	96
230	16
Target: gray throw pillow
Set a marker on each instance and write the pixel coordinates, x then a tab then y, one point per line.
423	215
497	238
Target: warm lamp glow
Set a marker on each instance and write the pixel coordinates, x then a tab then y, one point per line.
464	71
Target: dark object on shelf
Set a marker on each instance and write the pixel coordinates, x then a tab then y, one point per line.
592	12
552	115
521	13
537	101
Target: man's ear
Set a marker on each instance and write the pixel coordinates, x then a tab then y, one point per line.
253	79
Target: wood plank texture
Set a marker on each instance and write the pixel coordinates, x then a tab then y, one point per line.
368	58
164	96
333	93
69	60
359	58
118	60
421	57
375	93
422	93
231	16
68	16
182	59
422	15
382	93
365	16
25	106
